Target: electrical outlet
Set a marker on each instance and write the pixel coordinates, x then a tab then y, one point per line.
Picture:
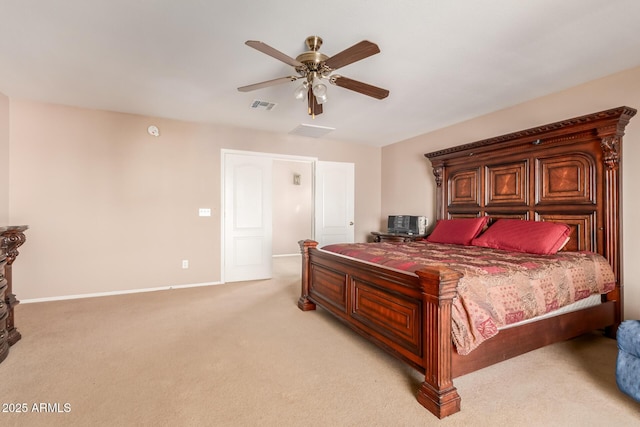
204	212
185	263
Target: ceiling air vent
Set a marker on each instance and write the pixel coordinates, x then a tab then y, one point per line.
262	105
311	131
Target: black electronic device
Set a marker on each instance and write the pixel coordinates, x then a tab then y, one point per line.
407	224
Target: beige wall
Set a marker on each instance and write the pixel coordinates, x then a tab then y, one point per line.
4	160
408	184
292	205
111	208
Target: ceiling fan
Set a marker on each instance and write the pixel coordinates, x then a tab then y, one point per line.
313	66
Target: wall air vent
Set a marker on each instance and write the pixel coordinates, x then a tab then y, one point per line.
311	131
262	105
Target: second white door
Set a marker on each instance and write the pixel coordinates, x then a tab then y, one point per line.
334	203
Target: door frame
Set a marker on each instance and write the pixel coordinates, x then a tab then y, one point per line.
273	156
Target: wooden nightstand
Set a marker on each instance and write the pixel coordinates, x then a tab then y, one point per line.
396	237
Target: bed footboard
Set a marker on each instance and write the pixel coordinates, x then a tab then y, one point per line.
408	315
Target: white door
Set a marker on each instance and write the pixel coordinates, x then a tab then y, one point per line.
247	221
334	203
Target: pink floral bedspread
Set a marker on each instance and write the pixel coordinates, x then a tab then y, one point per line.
497	288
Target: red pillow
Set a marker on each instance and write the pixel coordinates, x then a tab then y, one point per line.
536	237
459	231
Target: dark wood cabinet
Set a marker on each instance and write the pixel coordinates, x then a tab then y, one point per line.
10	239
4	311
396	237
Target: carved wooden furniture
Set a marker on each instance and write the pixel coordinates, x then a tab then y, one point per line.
10	239
4	311
566	171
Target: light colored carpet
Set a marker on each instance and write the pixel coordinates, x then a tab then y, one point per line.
243	354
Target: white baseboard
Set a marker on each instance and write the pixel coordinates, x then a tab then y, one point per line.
285	255
111	293
133	291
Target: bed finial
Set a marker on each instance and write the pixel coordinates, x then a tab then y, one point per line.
437	172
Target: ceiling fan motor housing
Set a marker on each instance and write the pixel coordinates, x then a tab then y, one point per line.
312	59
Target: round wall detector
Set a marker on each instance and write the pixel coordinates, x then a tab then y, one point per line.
153	130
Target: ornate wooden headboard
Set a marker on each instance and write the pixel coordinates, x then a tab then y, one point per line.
566	171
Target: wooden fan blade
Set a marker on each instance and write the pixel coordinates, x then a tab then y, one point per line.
268	83
265	48
314	107
363	88
352	54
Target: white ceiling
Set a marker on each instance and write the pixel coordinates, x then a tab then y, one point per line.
442	61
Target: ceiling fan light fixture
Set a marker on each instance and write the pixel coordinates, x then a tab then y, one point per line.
319	91
301	91
321	99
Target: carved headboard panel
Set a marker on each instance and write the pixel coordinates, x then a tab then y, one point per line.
566	171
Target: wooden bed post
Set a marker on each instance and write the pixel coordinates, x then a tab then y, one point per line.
610	135
611	149
304	303
437	392
611	143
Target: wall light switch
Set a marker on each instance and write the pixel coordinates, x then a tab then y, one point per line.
185	263
204	212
